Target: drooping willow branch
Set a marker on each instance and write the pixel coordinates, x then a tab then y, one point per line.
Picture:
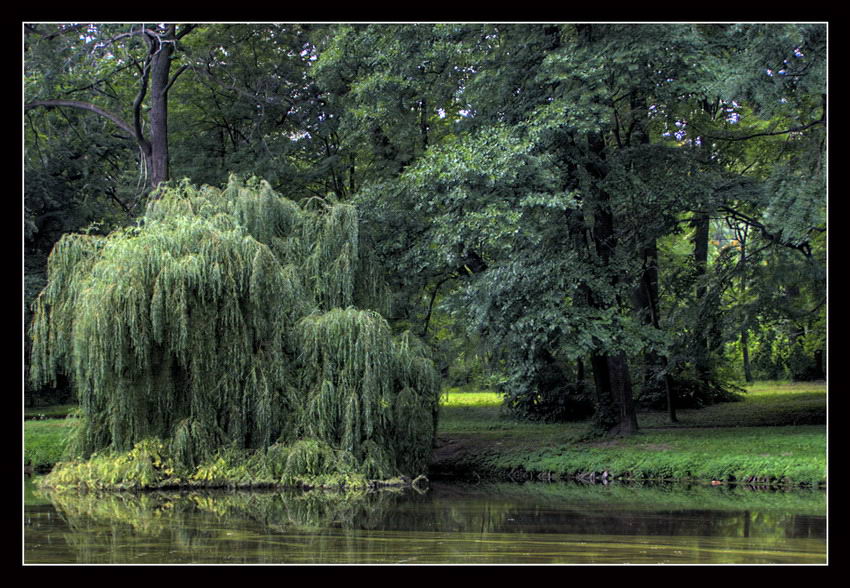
234	317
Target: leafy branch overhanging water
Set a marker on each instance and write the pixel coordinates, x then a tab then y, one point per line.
235	319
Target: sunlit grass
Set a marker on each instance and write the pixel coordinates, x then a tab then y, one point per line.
480	413
475	410
778	387
460	397
764	404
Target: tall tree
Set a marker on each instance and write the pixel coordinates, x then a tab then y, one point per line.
493	194
251	106
576	151
100	55
763	120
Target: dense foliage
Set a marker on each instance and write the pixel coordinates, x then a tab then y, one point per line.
590	217
234	318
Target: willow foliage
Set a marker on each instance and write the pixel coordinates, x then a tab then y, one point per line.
234	318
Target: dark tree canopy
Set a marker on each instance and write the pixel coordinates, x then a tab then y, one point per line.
597	216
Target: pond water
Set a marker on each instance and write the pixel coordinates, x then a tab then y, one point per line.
449	523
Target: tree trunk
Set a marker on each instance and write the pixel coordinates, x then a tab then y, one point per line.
616	412
741	234
580	375
646	303
820	365
158	116
745	352
621	393
154	83
701	222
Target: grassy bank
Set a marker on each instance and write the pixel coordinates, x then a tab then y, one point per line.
776	434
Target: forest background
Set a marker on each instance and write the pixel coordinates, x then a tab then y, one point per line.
589	218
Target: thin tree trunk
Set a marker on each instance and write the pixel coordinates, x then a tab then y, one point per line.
423	123
580	376
646	302
701	223
745	352
621	393
745	334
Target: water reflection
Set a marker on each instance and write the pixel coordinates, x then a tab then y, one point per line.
450	523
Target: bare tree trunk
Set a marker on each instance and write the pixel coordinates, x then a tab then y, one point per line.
745	333
161	49
155	80
621	393
745	352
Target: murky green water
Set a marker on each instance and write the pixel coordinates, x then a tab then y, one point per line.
448	524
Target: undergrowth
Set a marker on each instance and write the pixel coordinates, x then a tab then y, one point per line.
151	465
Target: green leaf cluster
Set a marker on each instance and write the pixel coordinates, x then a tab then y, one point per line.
234	318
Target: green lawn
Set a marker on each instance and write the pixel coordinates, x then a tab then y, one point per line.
764	404
776	432
44	442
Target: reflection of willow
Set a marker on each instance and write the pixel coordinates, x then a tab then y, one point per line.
151	513
313	511
104	528
201	520
451	522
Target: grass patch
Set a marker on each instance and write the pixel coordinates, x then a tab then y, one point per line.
764	404
792	454
775	433
44	442
479	414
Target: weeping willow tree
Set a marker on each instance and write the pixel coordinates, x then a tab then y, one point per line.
234	318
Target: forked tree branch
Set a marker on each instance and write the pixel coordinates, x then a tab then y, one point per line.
119	122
